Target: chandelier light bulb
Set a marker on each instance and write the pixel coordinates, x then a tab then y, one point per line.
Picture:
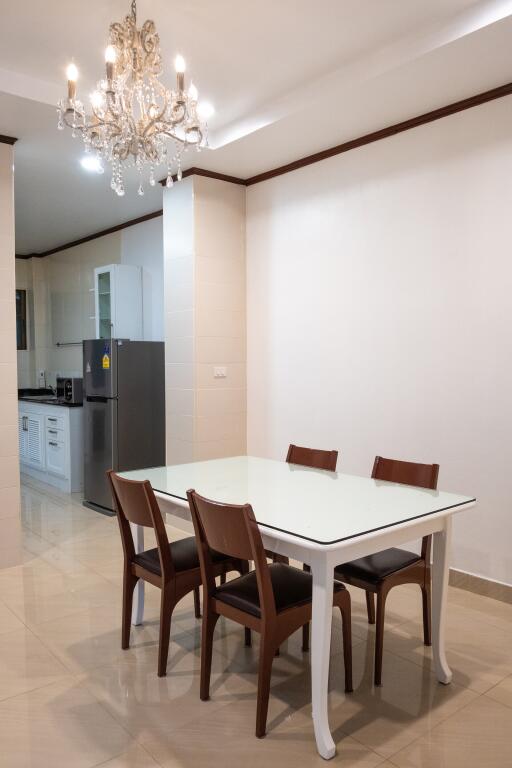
72	73
110	54
192	92
179	64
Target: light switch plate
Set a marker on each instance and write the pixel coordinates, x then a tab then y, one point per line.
220	372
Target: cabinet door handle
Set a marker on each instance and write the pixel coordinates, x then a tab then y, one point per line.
53	431
54	444
50	419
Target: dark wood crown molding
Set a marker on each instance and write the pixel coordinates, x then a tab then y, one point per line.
347	146
384	133
94	236
209	175
7	139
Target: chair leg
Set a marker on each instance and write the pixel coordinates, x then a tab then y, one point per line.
129	583
248	637
209	621
305	637
427	613
370	607
166	608
346	625
379	635
197	603
223	578
267	651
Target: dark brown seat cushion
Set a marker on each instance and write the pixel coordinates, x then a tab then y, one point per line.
183	553
291	587
376	567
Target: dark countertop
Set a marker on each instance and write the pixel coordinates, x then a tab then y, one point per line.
48	401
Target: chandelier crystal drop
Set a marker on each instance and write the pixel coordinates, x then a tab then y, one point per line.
133	119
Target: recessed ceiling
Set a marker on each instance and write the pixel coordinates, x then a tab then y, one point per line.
286	78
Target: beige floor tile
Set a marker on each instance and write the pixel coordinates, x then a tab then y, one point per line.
479	653
92	638
407	705
59	726
226	733
146	704
482	608
8	621
479	736
136	757
54	598
25	663
37	550
502	692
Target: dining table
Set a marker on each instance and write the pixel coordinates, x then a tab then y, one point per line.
323	519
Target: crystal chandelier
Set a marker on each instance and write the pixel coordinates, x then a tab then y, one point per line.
134	119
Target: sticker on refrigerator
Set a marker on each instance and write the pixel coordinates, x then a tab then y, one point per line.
106	361
88	368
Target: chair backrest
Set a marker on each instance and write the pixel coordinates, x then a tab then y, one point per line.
135	502
232	530
408	473
312	457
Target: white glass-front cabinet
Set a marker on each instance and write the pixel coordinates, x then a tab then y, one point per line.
118	302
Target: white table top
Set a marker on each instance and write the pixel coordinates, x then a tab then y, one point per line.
323	507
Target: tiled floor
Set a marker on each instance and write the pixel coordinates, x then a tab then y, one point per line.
70	698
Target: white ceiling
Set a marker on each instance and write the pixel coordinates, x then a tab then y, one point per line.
287	78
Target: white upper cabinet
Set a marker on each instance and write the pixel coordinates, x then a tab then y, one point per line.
118	302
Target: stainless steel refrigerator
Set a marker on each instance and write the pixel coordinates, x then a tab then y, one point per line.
124	412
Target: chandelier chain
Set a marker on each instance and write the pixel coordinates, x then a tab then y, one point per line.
134	9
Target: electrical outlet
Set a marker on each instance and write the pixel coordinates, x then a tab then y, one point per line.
220	372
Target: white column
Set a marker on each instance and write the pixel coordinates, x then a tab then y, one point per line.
10	530
205	325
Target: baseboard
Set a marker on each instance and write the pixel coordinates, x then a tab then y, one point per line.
481	586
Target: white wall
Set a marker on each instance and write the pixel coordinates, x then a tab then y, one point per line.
142	246
60	298
379	291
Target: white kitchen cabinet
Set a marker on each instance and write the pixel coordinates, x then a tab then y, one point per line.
56	457
51	444
118	302
31	439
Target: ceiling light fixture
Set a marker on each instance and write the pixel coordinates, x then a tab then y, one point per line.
134	119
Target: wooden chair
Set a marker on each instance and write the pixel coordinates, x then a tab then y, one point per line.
172	567
274	600
379	573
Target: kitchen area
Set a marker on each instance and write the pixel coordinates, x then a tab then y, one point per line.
91	392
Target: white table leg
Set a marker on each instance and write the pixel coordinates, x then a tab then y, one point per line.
439	595
323	577
138	604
